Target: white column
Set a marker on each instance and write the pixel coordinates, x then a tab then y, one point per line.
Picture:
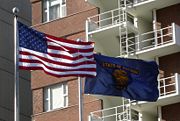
155	26
159	113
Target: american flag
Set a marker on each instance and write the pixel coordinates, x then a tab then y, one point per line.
56	56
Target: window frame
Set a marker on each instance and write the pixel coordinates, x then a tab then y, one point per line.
48	100
62	6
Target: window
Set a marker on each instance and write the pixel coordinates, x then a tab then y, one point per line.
53	9
55	96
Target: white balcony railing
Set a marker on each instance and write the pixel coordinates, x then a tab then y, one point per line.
168	86
149	40
119	113
108	19
139	1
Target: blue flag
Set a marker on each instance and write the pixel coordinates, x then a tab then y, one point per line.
130	78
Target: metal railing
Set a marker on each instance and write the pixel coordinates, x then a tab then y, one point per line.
148	40
139	1
119	113
109	18
168	85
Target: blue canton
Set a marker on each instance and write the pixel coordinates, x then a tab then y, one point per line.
32	39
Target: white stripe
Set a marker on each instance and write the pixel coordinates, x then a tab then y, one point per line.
56	45
54	58
68	54
70	44
29	57
56	72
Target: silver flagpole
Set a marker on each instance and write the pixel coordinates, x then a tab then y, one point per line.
16	70
80	95
80	99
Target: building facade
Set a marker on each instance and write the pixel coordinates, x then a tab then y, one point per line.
56	99
7	62
142	29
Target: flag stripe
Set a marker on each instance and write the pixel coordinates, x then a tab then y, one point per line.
70	54
64	46
54	71
57	66
48	57
56	75
80	43
56	56
38	63
70	49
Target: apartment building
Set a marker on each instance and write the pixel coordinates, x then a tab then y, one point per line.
56	99
7	62
142	29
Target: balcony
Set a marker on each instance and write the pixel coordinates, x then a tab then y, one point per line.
169	86
109	19
154	43
141	8
144	8
119	113
107	4
105	28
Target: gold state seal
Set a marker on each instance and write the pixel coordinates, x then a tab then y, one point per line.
121	78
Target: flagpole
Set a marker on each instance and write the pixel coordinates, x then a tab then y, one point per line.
80	95
16	70
80	99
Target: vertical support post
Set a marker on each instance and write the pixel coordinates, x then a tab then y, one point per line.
80	95
89	118
159	113
155	26
80	99
161	33
16	70
140	116
87	30
126	31
138	42
177	83
119	4
120	42
48	6
116	111
173	27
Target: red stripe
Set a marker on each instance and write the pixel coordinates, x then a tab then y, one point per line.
40	68
58	56
55	55
55	62
71	49
68	65
69	41
70	58
66	70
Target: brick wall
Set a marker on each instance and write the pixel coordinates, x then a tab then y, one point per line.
170	64
68	114
73	7
171	112
72	27
168	15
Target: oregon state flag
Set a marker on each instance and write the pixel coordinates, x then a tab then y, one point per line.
130	78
